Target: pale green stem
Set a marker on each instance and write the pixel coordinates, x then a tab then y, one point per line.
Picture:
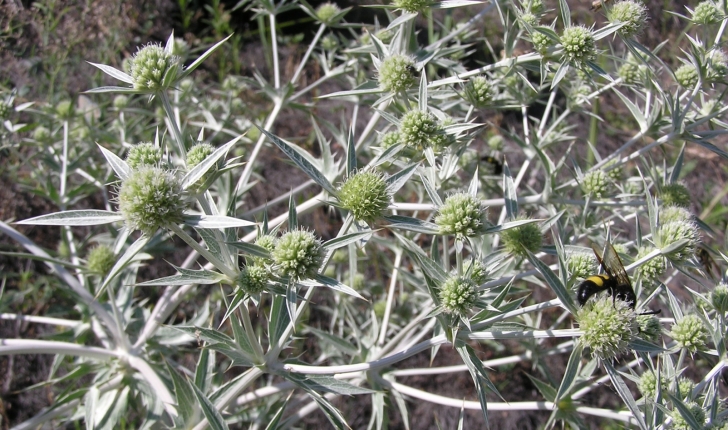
248	171
313	43
219	264
274	49
390	296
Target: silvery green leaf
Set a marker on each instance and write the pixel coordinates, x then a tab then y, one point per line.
335	285
634	110
351	152
639	344
219	342
431	191
560	73
509	193
397	181
252	249
120	167
447	4
565	13
115	402
186	401
332	385
411	224
111	89
572	368
333	414
124	261
346	239
92	398
554	282
202	58
114	72
368	87
199	170
186	276
509	225
302	163
406	16
278	319
215	221
213	416
621	387
335	341
75	218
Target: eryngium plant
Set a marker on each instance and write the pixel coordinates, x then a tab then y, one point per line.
269	313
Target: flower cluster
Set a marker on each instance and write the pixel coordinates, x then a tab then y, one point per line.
462	215
101	260
650	271
397	73
579	46
689	333
143	154
595	183
298	254
365	195
418	128
520	240
608	326
478	91
150	198
631	14
458	295
580	264
150	66
253	279
707	12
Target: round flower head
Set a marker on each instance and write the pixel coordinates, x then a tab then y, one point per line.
143	154
650	271
684	387
687	76
536	7
150	198
64	109
672	232
595	183
581	264
630	73
180	48
41	133
101	260
412	6
707	12
541	42
390	139
478	91
495	142
462	215
198	153
298	254
253	279
266	241
670	214
648	385
717	66
329	42
326	13
365	195
458	295
519	240
675	194
679	422
650	328
689	333
121	101
579	46
718	298
632	14
150	65
608	326
417	128
478	274
397	73
529	19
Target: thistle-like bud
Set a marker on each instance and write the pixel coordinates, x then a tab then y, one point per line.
529	18
650	328
579	46
461	215
718	298
595	183
541	42
458	295
121	101
41	134
327	13
631	13
198	153
670	214
580	264
478	91
397	73
648	385
150	198
417	128
687	76
390	139
65	109
143	154
149	66
365	195
689	333
519	240
298	254
101	260
253	279
675	194
650	271
707	12
608	326
478	274
679	422
412	6
672	232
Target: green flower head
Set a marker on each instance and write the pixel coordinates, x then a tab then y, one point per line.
541	42
648	385
327	13
298	254
198	153
632	14
253	279
397	73
101	260
687	76
650	328
150	66
690	333
608	326
672	232
581	264
365	195
718	298
462	215
390	139
418	128
579	46
458	295
412	6
650	271
519	240
707	12
150	198
679	422
675	194
478	274
143	154
596	183
478	91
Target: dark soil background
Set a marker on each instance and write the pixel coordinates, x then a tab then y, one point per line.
31	46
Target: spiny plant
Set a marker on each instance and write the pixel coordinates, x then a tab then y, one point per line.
456	230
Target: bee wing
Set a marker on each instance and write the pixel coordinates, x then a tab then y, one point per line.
613	265
598	254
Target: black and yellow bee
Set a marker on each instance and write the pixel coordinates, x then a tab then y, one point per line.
493	165
614	280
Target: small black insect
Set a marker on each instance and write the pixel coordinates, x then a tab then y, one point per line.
614	280
494	165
